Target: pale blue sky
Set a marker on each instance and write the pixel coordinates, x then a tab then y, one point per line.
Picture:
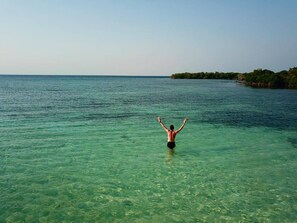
146	37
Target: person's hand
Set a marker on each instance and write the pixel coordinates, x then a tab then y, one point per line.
159	119
185	120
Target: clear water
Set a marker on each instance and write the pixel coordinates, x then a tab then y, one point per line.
88	149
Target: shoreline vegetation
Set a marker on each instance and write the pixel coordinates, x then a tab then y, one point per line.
260	78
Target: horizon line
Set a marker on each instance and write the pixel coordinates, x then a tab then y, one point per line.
88	75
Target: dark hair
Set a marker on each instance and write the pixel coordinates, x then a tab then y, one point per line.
171	127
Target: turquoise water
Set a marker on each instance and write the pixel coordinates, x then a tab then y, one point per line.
88	149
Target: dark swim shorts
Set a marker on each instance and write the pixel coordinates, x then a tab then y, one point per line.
171	145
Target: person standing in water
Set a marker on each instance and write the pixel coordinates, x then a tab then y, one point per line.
171	132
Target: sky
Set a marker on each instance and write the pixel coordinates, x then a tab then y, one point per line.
146	37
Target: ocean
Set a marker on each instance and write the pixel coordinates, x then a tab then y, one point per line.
89	149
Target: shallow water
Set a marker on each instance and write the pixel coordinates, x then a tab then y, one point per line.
88	149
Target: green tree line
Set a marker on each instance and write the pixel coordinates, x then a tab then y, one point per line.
205	75
257	78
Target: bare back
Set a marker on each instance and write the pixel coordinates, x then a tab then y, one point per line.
171	135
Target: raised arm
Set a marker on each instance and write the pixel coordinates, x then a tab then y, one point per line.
182	126
162	124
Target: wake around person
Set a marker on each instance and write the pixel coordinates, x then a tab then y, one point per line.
171	132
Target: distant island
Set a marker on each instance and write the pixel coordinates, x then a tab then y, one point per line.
262	78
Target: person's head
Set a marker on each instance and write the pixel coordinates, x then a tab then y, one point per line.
171	127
